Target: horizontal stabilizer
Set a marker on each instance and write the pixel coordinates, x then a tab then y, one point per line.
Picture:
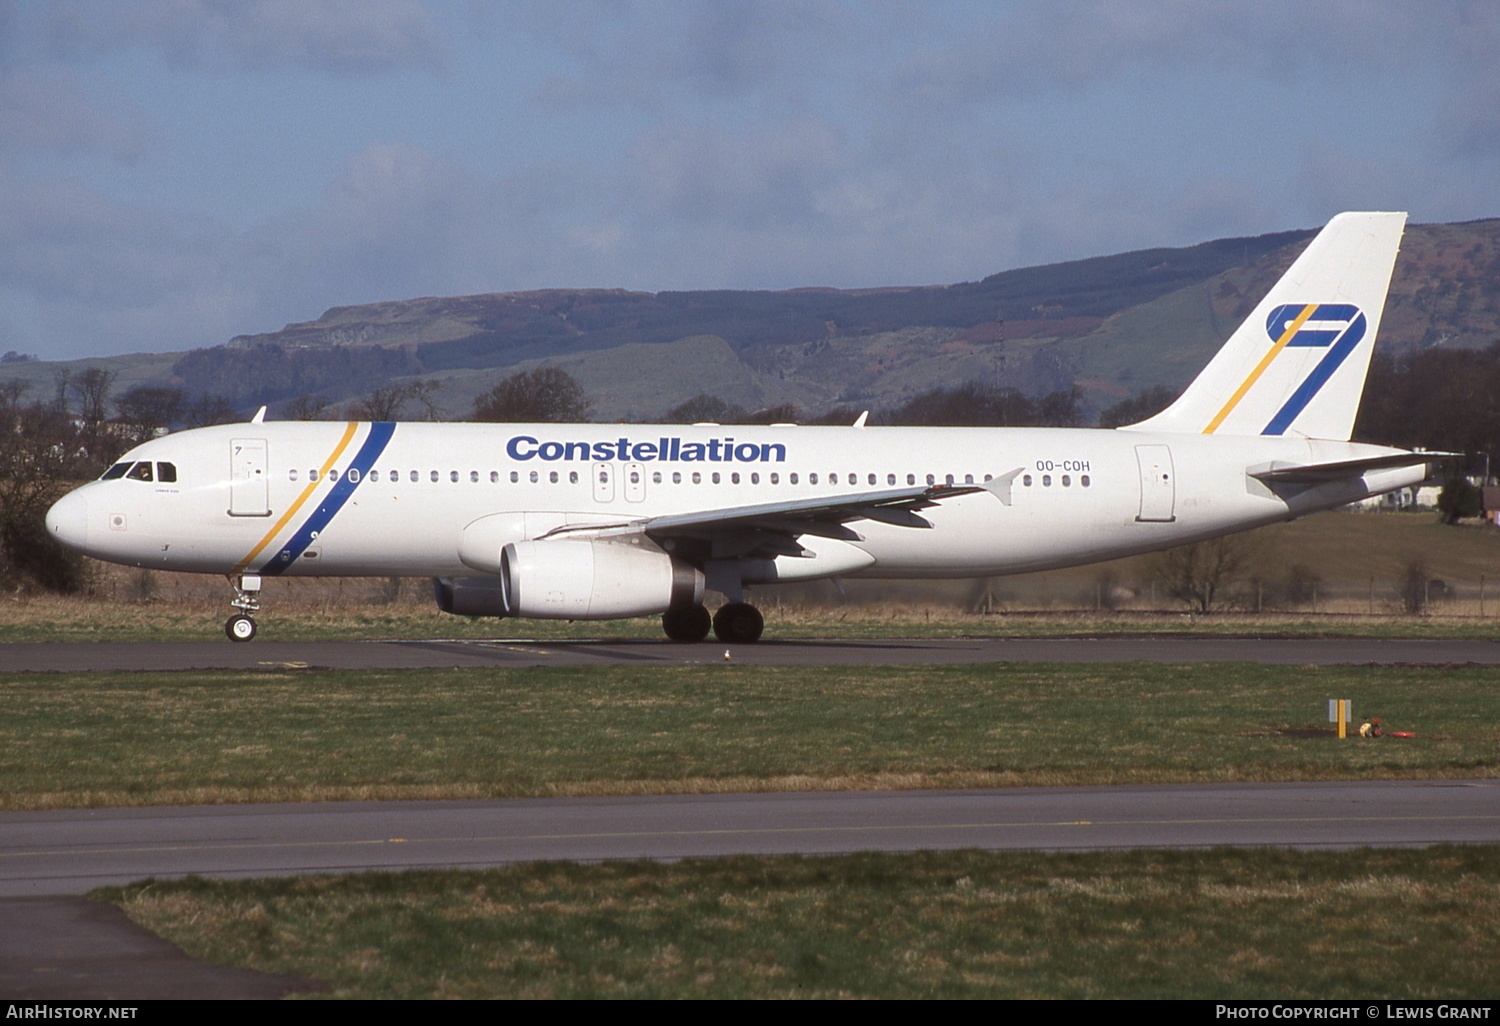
1317	473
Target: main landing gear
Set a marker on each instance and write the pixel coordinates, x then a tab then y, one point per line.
241	626
737	623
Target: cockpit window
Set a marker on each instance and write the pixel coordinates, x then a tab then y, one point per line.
115	472
140	472
166	473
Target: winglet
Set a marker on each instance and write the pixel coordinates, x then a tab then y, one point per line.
859	421
260	416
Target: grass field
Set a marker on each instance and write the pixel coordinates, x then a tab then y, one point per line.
69	740
1357	925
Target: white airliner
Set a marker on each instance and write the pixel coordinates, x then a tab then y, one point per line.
595	521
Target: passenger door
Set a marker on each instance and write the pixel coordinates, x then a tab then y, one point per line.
249	487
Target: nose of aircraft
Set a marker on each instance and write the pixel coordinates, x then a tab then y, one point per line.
68	519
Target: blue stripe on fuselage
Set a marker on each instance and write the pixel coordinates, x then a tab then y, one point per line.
369	452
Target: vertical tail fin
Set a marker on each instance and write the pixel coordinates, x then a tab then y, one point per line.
1297	365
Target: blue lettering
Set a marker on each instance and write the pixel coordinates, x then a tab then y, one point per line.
667	448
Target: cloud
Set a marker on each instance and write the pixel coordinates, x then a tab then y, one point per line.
651	51
47	110
333	35
1042	47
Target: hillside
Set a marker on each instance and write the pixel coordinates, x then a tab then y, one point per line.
1113	325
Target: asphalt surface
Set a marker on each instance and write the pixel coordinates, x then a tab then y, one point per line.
70	851
392	655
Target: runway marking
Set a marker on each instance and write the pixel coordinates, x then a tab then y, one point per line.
752	831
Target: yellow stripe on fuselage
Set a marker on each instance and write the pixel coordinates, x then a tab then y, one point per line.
291	510
1260	368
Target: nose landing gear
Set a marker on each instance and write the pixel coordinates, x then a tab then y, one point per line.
241	626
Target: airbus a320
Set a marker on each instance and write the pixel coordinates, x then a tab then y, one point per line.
594	521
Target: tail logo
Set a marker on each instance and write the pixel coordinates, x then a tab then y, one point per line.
1336	327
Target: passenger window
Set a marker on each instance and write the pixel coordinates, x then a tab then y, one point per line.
911	479
433	475
734	478
1084	480
931	480
890	479
494	477
948	480
116	471
968	479
552	477
572	477
312	475
415	477
792	478
333	475
140	472
635	476
754	478
1026	480
676	477
872	478
697	478
656	477
453	476
812	478
353	475
166	473
776	479
473	477
515	477
534	477
291	475
1066	480
715	477
1046	480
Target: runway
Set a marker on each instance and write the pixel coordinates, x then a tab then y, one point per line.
72	851
520	652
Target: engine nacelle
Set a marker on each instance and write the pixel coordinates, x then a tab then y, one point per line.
594	580
470	596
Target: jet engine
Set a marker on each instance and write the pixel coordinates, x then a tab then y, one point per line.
575	580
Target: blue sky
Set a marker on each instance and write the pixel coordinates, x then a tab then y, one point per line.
176	172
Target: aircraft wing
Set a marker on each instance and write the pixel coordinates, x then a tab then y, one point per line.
822	516
1317	473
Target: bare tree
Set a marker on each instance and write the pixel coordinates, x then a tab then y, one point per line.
1199	574
89	391
306	407
146	409
545	395
211	408
389	402
705	409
